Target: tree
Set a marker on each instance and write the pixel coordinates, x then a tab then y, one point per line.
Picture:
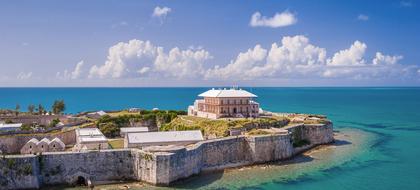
54	122
109	129
40	109
17	109
58	106
31	109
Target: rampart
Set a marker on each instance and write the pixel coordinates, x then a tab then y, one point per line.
157	166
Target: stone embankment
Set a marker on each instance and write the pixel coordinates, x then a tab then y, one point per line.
159	166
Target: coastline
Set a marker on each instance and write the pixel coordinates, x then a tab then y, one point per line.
348	145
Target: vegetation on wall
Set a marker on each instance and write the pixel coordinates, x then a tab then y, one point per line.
110	125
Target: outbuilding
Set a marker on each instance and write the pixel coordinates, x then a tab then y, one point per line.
90	139
30	147
139	140
10	126
125	130
56	145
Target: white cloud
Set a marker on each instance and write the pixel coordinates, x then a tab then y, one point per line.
363	17
349	57
385	59
181	63
296	58
278	20
241	67
293	54
75	74
144	70
24	76
138	58
161	11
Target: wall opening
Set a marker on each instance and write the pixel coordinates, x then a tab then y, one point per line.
81	181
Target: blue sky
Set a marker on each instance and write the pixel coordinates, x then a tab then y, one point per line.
179	43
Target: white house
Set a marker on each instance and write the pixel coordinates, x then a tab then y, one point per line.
139	140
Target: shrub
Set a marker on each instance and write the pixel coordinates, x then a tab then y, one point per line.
109	129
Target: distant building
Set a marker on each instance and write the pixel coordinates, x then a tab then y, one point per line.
34	146
134	110
10	127
90	139
140	140
96	115
125	130
225	103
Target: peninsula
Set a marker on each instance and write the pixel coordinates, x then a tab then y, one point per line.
225	129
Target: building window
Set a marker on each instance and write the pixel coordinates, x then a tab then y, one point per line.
30	146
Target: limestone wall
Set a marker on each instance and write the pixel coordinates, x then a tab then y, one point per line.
12	144
19	172
160	167
59	168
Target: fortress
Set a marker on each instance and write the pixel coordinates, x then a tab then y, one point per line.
159	166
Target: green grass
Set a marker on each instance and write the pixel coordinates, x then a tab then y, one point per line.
258	132
220	127
116	143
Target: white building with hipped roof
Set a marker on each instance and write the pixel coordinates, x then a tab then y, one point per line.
140	140
90	139
219	103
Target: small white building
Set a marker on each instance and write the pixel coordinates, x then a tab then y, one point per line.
133	110
56	145
34	146
125	130
31	147
139	140
96	115
10	126
90	139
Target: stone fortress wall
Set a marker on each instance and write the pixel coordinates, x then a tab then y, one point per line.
12	144
159	167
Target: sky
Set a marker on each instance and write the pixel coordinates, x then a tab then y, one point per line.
129	43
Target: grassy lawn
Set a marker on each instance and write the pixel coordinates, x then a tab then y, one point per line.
120	113
219	127
116	143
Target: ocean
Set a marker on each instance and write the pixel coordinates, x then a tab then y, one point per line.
382	126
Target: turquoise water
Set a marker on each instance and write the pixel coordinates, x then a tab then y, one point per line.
390	117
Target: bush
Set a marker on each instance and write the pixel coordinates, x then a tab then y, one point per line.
113	124
109	129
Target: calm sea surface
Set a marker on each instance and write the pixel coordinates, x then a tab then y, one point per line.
382	124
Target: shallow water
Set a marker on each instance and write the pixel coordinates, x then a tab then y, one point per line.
390	117
351	145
